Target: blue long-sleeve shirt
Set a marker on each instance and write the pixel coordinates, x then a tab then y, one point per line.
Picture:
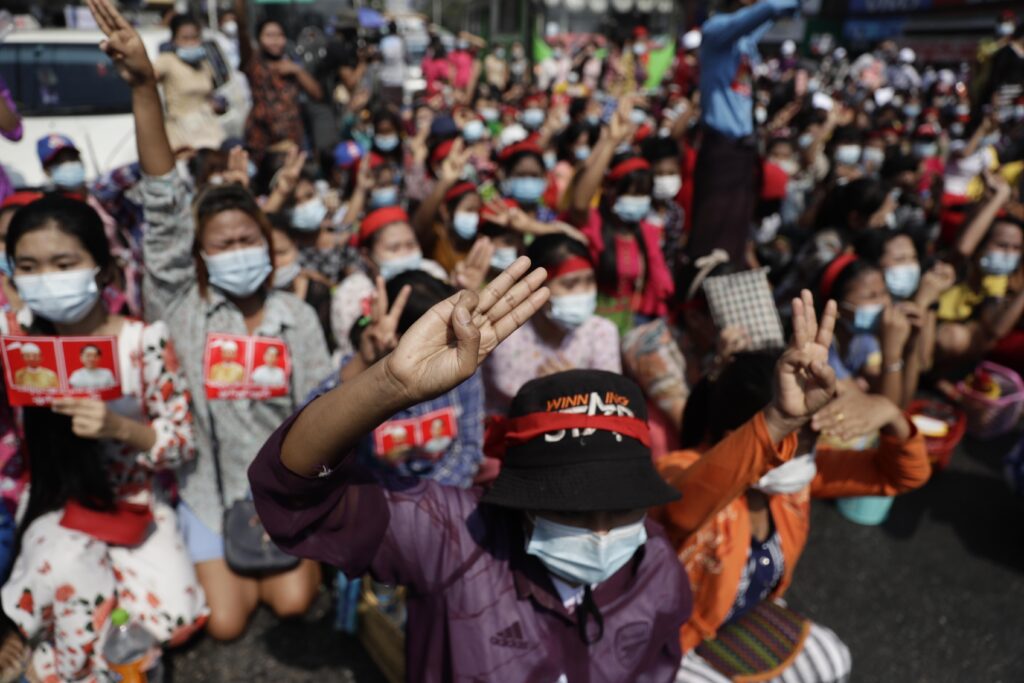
728	54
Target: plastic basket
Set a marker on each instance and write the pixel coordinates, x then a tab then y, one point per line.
940	448
987	417
866	510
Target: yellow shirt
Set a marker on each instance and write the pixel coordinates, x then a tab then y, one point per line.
959	302
227	372
36	378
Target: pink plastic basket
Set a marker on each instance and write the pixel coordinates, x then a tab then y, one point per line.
987	417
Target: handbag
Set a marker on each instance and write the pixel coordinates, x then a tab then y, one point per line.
757	646
248	548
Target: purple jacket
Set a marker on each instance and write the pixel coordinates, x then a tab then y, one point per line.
479	607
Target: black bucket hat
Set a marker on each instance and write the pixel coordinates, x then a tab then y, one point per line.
577	441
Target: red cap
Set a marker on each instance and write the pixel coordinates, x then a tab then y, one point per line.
627	166
832	271
20	199
459	190
529	145
442	151
773	182
381	218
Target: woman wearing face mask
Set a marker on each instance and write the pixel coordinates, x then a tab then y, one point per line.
983	309
187	80
566	335
740	543
291	277
541	549
277	84
876	340
447	221
388	247
96	528
387	136
632	278
666	212
209	271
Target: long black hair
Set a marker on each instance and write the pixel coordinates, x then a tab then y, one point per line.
640	182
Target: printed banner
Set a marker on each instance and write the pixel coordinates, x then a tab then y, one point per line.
427	437
238	367
39	370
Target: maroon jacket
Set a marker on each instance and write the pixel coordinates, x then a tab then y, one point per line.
479	607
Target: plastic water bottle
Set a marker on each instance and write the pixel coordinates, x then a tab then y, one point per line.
131	651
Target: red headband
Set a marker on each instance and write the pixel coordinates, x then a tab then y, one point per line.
626	167
831	274
572	264
502	432
379	219
527	146
442	151
21	198
459	190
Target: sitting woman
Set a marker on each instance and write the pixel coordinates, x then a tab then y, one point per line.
209	272
566	335
742	521
876	340
97	532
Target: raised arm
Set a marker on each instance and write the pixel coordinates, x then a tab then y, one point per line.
724	29
618	131
245	51
448	175
10	120
975	232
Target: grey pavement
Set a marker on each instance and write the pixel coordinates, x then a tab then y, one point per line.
934	595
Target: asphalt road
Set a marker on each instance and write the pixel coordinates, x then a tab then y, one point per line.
936	594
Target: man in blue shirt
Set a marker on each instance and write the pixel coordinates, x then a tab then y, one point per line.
727	176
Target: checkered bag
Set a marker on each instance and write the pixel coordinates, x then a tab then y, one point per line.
745	300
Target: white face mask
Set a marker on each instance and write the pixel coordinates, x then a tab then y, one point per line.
64	297
285	275
393	267
504	257
308	215
583	556
847	155
666	187
569	311
239	272
790	477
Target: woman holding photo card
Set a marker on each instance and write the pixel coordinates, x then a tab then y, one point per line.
94	465
209	271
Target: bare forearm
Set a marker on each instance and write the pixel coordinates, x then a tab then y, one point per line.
423	220
155	155
999	324
979	225
779	426
309	84
593	175
9	119
245	53
331	425
139	436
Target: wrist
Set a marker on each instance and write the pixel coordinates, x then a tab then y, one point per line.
779	424
391	385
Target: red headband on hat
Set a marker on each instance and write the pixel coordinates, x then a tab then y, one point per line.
459	190
381	218
527	146
626	167
503	432
831	274
442	151
573	264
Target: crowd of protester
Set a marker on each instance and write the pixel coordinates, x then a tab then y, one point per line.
509	385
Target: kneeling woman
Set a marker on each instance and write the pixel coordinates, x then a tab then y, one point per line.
744	522
96	533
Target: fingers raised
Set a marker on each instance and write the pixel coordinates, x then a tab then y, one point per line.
515	296
499	286
396	309
828	324
518	316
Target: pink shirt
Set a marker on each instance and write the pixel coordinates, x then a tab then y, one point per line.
592	346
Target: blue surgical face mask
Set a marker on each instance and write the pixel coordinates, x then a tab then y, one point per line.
308	215
532	118
285	275
999	262
583	556
193	54
902	280
848	155
865	318
504	257
582	153
874	156
632	208
490	114
239	272
65	297
912	111
465	223
524	189
473	131
69	175
638	116
550	160
805	140
386	143
384	196
400	264
925	149
593	120
569	311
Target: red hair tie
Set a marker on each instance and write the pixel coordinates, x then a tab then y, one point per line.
831	274
628	166
572	264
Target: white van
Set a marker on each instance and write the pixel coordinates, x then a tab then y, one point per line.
63	83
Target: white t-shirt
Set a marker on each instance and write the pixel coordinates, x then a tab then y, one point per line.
392	53
268	376
97	378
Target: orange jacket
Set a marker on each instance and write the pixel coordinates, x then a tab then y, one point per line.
710	524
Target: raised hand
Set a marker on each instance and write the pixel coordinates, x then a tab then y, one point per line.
935	282
288	176
238	167
895	331
450	341
804	382
471	272
451	167
123	44
380	336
